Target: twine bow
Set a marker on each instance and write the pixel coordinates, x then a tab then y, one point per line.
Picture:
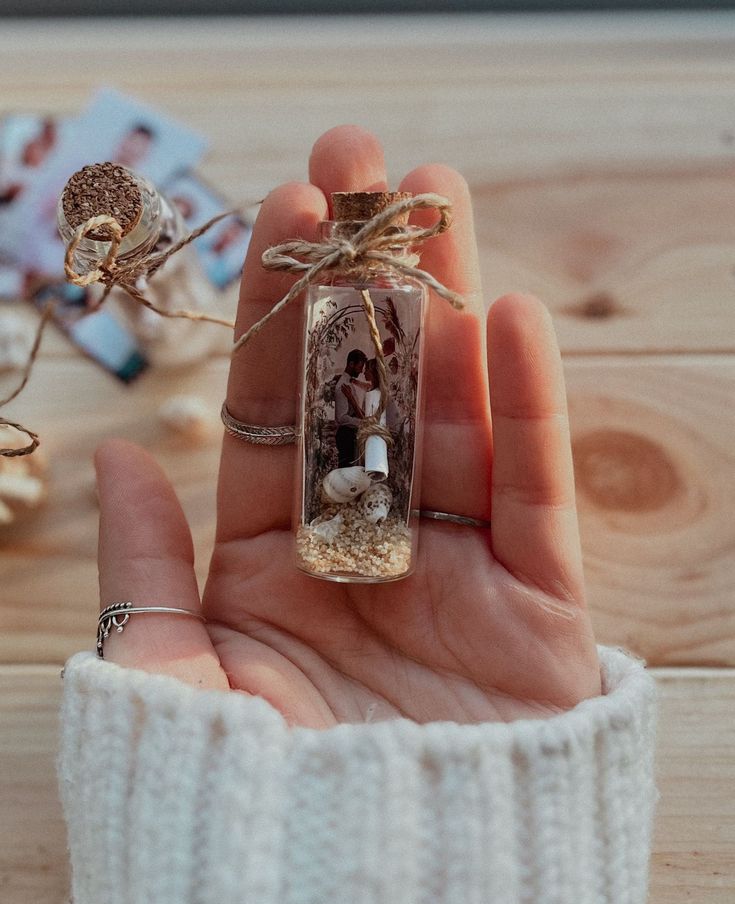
375	242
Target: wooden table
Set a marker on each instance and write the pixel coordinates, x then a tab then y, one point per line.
601	154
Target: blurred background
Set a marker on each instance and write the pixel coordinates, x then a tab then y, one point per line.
599	144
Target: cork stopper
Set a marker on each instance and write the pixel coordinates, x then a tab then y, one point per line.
362	205
102	188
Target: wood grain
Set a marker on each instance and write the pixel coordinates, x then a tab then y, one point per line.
601	161
46	610
33	855
694	843
634	260
601	154
653	448
654	453
694	840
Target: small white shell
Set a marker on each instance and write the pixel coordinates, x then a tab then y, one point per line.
23	481
376	503
345	484
21	488
188	417
16	339
327	530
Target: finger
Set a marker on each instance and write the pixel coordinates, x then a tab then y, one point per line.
534	521
347	158
255	482
146	557
457	436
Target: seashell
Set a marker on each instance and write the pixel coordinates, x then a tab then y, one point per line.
376	502
188	417
23	481
16	339
327	530
345	484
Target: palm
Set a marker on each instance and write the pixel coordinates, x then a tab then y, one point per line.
459	640
492	623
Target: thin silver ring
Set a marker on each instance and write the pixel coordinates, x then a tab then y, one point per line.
116	616
464	520
281	436
256	433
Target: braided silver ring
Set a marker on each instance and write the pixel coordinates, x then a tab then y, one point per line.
255	433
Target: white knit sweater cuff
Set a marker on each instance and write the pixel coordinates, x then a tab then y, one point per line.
174	795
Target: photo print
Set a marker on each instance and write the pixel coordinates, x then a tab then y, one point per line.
222	249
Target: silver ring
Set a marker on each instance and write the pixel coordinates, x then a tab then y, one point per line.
455	519
255	433
281	436
116	616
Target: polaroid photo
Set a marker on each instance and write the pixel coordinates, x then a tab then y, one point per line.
114	127
222	249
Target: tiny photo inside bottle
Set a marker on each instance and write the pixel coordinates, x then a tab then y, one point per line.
355	520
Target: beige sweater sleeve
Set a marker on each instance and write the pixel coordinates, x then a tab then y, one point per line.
174	795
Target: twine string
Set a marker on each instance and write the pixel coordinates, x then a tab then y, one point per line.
370	425
4	422
375	242
110	262
380	240
112	272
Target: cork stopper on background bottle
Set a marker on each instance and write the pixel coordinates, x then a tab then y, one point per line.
102	188
362	205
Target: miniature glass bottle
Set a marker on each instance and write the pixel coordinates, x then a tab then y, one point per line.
150	223
357	488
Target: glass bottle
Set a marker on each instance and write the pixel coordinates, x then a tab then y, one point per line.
357	496
179	284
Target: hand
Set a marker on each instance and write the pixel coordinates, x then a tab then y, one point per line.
491	626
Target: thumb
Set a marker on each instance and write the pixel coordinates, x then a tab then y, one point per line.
146	556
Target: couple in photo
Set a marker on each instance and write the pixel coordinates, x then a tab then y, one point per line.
356	394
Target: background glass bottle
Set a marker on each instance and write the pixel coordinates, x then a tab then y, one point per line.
357	493
179	284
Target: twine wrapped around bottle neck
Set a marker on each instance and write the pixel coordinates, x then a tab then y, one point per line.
374	243
378	241
113	272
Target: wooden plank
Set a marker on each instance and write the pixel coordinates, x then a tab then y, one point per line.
653	441
600	158
48	564
599	153
653	446
33	855
638	260
694	842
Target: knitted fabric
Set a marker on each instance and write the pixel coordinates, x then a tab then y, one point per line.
174	795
